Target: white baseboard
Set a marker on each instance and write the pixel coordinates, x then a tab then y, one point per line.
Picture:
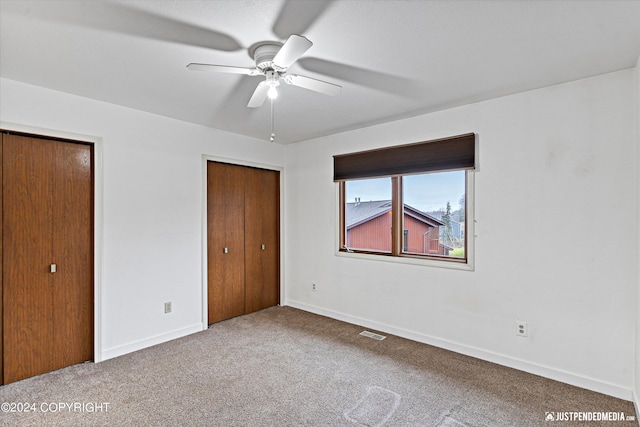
151	341
522	365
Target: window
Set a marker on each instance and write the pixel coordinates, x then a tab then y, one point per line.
434	207
410	201
368	215
405	240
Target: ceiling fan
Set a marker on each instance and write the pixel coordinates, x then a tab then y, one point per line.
272	60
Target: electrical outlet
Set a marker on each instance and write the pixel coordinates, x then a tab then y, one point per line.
167	307
314	286
521	328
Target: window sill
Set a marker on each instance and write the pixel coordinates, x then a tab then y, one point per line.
412	260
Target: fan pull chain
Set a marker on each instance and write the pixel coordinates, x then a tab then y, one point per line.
273	134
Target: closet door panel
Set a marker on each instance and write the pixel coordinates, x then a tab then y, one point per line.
72	251
1	262
262	223
27	281
225	229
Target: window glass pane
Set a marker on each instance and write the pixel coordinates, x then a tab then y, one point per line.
368	214
434	213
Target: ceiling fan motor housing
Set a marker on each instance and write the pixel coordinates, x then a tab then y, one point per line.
264	54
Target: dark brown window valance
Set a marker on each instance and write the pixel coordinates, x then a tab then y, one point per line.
457	152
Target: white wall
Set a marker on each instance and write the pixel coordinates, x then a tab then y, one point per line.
555	246
153	183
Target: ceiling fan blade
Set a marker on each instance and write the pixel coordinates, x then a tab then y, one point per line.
312	84
259	95
223	69
123	18
296	16
291	50
378	80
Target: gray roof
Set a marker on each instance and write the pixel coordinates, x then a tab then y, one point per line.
357	213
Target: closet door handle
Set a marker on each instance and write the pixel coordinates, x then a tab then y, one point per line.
225	250
53	268
263	247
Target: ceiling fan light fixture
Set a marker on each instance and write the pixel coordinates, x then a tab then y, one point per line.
272	81
272	93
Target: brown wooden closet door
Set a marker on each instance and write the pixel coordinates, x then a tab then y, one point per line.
262	224
1	262
72	187
27	283
225	229
45	314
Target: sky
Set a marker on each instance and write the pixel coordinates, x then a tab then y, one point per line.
426	192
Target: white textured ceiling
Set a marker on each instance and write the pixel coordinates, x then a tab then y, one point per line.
394	58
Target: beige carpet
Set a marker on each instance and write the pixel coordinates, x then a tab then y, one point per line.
286	367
